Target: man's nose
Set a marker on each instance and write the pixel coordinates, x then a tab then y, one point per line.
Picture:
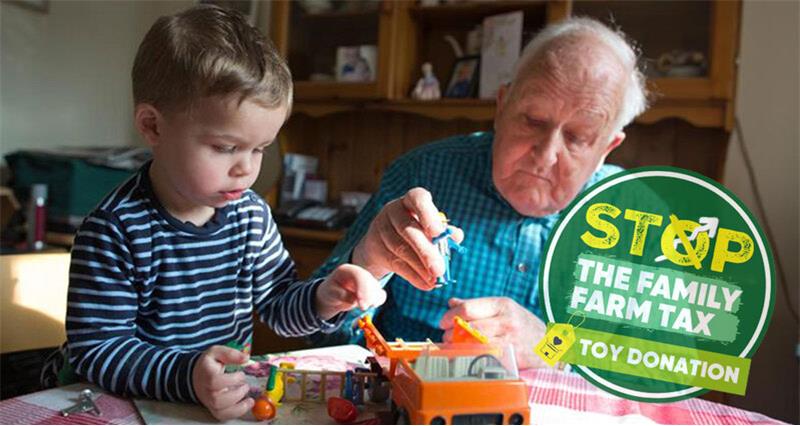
546	151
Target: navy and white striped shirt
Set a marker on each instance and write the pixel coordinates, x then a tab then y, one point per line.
148	293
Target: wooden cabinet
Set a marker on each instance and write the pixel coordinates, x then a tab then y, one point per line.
708	27
356	131
407	34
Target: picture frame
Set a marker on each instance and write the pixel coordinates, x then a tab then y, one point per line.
356	64
248	8
464	78
501	45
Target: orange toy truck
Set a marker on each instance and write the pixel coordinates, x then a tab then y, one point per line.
459	383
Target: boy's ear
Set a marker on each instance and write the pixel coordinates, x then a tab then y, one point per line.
148	120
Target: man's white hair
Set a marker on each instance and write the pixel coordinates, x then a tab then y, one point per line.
634	101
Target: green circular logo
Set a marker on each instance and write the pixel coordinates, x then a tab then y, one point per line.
667	281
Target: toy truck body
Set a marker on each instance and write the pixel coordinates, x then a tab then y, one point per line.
464	383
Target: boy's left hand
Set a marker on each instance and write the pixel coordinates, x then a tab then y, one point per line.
347	287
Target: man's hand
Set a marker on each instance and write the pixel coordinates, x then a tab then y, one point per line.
347	287
501	320
399	240
224	394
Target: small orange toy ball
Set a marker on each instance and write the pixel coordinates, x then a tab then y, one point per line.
263	409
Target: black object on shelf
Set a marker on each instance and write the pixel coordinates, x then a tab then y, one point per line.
313	214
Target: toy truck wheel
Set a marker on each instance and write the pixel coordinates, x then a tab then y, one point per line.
438	420
515	419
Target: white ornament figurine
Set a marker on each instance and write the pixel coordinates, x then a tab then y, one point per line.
427	87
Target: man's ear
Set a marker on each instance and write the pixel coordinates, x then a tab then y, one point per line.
502	92
616	141
148	120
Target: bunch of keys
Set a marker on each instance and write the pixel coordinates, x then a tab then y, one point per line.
85	404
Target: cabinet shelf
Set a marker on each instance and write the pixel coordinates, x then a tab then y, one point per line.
680	88
442	109
699	112
335	89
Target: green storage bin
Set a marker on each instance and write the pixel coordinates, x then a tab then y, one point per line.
75	186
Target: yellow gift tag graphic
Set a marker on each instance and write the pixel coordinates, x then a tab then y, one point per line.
557	341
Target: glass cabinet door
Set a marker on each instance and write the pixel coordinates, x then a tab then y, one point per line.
335	49
673	36
688	52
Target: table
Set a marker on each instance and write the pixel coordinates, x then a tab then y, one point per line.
557	397
33	299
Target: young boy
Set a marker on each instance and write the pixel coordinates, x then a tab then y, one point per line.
171	265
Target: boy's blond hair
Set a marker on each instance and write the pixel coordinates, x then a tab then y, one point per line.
208	51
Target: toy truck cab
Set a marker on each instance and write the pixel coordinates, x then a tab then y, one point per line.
460	384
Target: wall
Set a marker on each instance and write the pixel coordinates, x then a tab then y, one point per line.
767	107
65	73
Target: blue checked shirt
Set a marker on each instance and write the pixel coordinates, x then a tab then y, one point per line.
504	247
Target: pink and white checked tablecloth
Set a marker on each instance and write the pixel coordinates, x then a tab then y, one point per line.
557	397
44	408
560	397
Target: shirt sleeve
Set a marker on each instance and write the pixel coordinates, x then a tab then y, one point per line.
102	308
285	303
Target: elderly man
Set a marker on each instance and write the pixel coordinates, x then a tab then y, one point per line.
576	86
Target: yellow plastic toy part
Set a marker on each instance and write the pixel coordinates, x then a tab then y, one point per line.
464	333
276	393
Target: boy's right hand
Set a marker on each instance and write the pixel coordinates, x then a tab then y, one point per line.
224	394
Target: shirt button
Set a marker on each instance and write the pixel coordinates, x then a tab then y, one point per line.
522	268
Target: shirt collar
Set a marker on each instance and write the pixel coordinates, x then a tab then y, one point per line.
213	225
